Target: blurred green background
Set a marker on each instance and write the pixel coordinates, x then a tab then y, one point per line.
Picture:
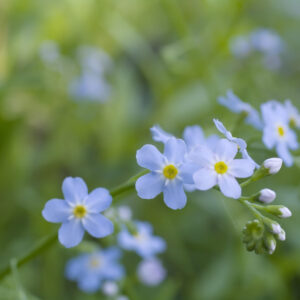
171	61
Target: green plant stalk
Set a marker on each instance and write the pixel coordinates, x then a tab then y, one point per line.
48	241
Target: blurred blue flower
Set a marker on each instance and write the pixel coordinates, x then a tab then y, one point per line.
277	132
241	144
151	271
79	211
236	105
89	86
143	242
90	270
219	167
292	114
240	46
169	173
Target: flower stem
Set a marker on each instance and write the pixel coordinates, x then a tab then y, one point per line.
48	241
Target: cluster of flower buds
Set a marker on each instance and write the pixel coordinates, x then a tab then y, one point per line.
262	234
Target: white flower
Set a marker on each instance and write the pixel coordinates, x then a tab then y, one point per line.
267	196
276	132
273	165
236	105
220	168
151	272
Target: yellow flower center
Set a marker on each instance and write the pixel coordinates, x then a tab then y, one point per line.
170	171
281	131
79	211
94	262
221	167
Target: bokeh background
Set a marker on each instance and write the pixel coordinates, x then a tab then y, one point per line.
169	61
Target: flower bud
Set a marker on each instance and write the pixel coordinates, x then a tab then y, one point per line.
273	165
270	243
266	196
281	236
278	211
272	226
110	288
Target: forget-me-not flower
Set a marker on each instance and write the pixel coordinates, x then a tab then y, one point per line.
79	212
143	242
168	173
151	271
236	105
90	270
241	144
277	132
219	167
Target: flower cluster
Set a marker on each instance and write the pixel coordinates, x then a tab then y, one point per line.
277	121
264	41
199	163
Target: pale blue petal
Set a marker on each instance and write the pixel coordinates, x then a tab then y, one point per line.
112	253
174	195
98	200
193	136
113	272
149	185
269	137
187	172
205	179
150	158
158	244
70	233
284	153
292	140
144	227
241	168
89	283
97	225
126	240
75	267
175	150
74	189
202	156
226	150
56	211
159	135
229	186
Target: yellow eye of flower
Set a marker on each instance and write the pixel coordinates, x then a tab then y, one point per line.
281	131
170	171
79	211
94	262
221	167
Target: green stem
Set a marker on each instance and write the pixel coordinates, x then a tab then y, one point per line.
40	247
48	241
253	210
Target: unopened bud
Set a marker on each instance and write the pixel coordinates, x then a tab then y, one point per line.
281	236
278	211
266	196
272	226
273	165
270	243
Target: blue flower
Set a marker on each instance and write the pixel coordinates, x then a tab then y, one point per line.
89	86
168	173
79	211
219	167
90	270
292	114
266	41
277	133
143	242
242	145
236	105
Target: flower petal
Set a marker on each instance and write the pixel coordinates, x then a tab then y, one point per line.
226	150
229	186
74	189
56	211
150	158
202	156
98	200
241	168
284	153
175	150
89	283
159	135
193	136
70	233
174	195
97	225
187	171
149	185
205	179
